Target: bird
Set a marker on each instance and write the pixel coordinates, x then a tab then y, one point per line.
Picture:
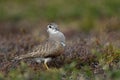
51	48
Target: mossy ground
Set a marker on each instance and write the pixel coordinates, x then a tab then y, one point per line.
91	28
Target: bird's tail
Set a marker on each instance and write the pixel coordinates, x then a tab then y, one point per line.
29	55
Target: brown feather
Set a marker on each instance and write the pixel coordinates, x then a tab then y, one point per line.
49	49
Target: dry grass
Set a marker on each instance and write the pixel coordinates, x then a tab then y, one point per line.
92	29
87	57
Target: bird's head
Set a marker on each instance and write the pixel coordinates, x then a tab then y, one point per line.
52	28
55	34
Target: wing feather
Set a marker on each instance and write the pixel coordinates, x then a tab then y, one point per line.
48	49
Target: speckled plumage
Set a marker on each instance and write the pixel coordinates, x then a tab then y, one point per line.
48	49
53	47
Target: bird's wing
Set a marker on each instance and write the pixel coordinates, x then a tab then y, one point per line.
49	49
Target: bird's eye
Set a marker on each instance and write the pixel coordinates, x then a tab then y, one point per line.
50	27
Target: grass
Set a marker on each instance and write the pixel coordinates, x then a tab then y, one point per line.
79	61
58	10
91	28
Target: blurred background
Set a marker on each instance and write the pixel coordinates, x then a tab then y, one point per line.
25	21
73	16
23	25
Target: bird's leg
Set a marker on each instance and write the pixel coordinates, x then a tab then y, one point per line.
46	66
45	62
